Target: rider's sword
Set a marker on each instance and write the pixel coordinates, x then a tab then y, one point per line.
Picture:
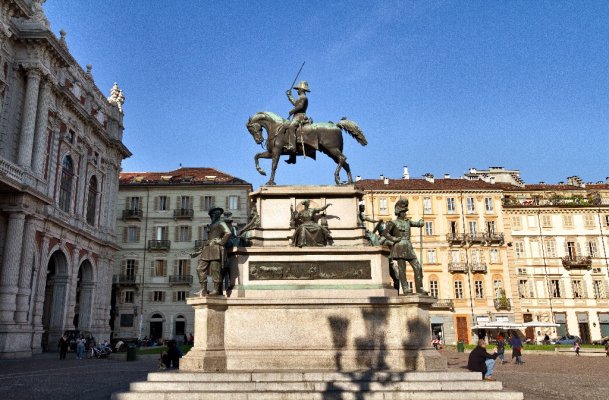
291	86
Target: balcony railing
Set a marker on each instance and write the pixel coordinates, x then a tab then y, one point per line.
493	238
180	279
183	213
159	244
502	304
444	304
132	214
475	238
455	239
11	170
457	267
478	268
577	262
123	279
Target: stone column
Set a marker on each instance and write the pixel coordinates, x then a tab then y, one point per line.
52	177
72	283
25	275
82	183
39	288
40	142
86	310
28	120
9	275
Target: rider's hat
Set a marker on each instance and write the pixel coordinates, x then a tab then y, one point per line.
215	209
302	85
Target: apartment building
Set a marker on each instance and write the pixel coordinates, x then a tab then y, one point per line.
162	218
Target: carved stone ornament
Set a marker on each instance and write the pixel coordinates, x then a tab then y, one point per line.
313	270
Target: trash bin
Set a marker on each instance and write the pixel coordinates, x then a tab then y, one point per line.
460	347
131	352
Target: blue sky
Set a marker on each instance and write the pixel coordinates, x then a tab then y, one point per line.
439	86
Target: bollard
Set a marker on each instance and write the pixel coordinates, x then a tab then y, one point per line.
460	346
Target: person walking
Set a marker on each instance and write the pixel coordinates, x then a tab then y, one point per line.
481	361
501	348
80	348
607	348
63	345
576	345
516	345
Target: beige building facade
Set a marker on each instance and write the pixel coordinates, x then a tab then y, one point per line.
60	155
463	252
161	220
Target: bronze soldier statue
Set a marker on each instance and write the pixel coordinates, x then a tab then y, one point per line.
213	253
307	232
298	114
397	232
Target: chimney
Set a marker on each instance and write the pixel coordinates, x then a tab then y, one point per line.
382	176
446	176
429	177
607	179
492	179
542	183
386	181
406	174
358	178
472	170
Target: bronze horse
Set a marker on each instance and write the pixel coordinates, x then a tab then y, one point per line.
325	137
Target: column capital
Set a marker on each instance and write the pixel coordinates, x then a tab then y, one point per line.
33	69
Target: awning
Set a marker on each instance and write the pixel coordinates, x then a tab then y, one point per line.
499	325
540	324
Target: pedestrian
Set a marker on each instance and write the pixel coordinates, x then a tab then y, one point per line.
576	344
481	361
516	345
63	345
80	348
607	348
501	348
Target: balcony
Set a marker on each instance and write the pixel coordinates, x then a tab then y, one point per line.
159	244
475	238
455	239
180	279
457	267
183	213
443	304
493	238
124	279
132	214
478	268
502	304
577	262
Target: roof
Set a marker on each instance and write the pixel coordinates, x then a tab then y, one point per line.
181	176
424	184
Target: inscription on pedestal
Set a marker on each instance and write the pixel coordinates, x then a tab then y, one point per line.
277	271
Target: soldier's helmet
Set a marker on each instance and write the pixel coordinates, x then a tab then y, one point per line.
302	85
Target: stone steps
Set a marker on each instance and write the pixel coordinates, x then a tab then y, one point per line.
316	386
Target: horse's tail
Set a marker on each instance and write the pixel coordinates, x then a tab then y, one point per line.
353	130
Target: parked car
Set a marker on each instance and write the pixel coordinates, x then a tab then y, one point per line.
601	341
568	339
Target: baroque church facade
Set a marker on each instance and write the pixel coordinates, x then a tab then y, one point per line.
60	155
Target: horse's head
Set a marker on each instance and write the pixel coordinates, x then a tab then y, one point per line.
255	129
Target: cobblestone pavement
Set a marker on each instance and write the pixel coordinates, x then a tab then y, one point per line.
549	377
542	377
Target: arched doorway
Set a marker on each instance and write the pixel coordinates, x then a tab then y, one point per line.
84	297
180	328
156	327
54	308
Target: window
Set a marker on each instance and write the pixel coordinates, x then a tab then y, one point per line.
498	288
490	227
181	295
65	187
546	221
92	201
519	249
158	296
578	290
163	203
132	234
409	284
433	288
458	289
494	255
532	221
130	268
473	227
523	289
427	205
550	248
161	233
479	289
183	268
431	256
589	221
450	204
592	248
126	320
233	202
607	220
428	228
571	250
159	268
185	203
488	205
208	203
128	296
471	205
183	233
599	289
517	222
567	221
555	288
383	206
134	203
